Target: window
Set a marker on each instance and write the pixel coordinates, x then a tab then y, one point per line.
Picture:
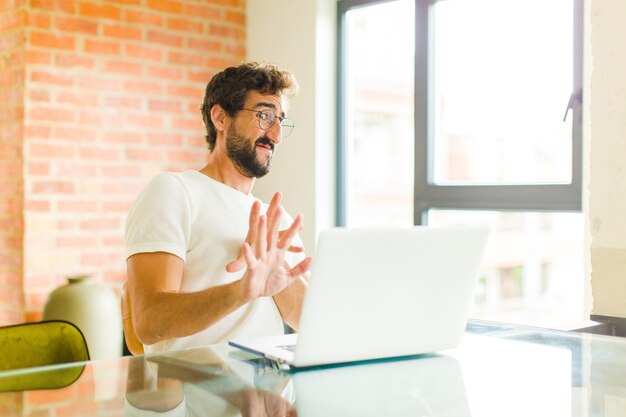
464	111
378	115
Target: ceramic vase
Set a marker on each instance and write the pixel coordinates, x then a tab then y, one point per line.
92	307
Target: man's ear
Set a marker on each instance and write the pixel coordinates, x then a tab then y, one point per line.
218	117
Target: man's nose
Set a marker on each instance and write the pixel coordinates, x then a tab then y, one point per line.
275	133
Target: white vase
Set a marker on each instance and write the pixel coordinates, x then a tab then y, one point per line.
92	307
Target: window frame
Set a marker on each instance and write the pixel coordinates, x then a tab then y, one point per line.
427	194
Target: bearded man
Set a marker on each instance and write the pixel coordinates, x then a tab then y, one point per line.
206	260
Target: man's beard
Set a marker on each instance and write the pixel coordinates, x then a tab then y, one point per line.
244	155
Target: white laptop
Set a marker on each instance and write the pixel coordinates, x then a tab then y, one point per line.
380	293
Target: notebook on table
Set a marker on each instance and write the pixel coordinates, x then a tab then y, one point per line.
381	293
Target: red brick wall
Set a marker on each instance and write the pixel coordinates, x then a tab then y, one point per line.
11	183
112	96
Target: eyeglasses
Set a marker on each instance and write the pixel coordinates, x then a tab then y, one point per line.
267	119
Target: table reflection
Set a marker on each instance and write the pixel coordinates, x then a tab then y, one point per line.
201	383
512	372
427	386
42	378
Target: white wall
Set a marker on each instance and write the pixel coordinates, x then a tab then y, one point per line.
300	37
607	157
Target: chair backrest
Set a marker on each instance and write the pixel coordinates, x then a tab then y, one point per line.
33	345
41	343
132	342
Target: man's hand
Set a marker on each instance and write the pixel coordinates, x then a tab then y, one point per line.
255	214
261	403
267	273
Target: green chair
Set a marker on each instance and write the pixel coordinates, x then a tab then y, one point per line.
25	348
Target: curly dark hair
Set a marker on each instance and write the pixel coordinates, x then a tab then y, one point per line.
231	87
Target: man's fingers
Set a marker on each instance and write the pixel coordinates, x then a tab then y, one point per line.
253	226
236	265
302	268
272	232
253	223
261	240
271	209
288	235
296	249
292	248
273	221
248	255
274	203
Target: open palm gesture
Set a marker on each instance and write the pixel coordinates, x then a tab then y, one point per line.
264	253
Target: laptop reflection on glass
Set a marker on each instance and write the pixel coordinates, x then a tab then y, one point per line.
381	293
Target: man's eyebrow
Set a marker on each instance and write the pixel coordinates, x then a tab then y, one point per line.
270	105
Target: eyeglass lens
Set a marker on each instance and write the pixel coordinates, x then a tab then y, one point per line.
267	119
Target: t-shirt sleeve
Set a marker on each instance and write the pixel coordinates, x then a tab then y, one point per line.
160	220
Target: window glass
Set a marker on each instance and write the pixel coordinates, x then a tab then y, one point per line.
532	271
498	75
502	81
379	114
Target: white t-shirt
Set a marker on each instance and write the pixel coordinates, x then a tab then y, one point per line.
203	222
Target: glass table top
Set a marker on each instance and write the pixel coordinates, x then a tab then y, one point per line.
497	370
